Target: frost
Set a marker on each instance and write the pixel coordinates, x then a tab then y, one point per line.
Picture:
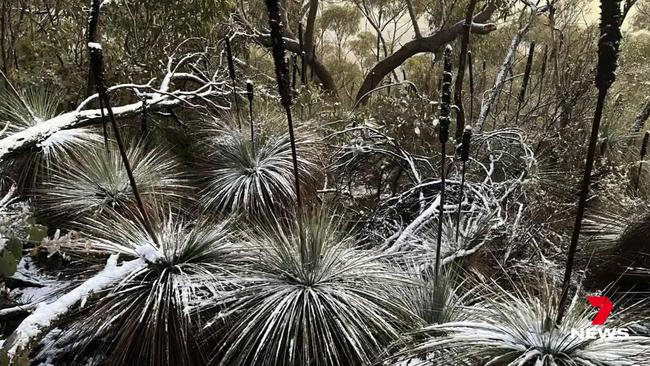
58	140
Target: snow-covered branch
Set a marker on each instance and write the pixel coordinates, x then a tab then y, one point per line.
157	98
45	314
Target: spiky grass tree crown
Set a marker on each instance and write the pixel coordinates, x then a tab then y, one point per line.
22	110
517	327
146	318
319	301
92	179
255	178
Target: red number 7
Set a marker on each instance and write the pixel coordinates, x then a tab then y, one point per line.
605	306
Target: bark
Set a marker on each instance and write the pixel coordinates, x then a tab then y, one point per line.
431	43
320	70
310	29
93	25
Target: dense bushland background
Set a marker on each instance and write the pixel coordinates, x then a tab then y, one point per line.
351	236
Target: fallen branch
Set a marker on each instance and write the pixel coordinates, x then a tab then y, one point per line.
155	99
46	314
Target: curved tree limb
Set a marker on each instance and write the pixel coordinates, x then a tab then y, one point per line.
292	45
431	43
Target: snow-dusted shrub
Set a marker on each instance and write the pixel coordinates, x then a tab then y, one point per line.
253	179
315	301
22	110
146	319
518	327
92	179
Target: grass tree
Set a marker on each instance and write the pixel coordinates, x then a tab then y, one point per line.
517	327
466	141
250	94
92	179
145	319
443	135
284	89
254	178
316	301
22	110
233	78
608	48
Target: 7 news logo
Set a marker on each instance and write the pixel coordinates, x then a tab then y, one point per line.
598	330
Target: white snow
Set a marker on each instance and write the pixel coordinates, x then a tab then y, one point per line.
45	314
94	46
148	252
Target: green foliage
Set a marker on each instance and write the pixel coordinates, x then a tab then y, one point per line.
343	20
10	256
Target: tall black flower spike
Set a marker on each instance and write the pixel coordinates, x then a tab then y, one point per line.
445	109
609	43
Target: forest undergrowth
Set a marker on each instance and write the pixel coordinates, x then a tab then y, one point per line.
264	193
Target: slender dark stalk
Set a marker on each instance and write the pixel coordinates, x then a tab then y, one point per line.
470	65
233	78
104	126
509	98
294	73
644	149
458	87
542	74
524	83
93	25
143	118
284	89
608	47
97	63
443	135
313	57
303	61
464	157
250	95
